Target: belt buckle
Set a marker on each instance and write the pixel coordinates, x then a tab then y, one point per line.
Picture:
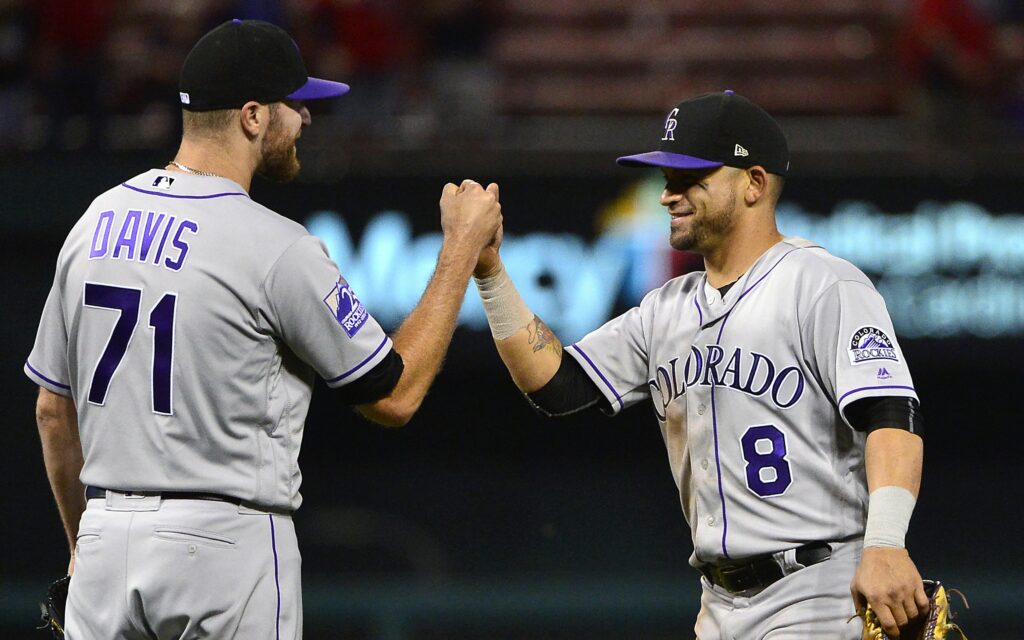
759	573
133	501
750	578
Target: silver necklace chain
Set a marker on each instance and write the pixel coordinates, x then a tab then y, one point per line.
195	171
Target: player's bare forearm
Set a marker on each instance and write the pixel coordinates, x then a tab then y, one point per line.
532	355
62	456
894	457
470	217
887	578
529	348
424	337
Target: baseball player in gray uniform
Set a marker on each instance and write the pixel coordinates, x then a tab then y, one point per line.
177	352
787	409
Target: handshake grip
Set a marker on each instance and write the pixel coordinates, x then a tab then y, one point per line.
471	214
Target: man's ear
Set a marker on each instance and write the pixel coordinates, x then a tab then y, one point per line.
253	118
757	185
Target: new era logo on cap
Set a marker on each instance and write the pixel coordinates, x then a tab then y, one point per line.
184	97
740	151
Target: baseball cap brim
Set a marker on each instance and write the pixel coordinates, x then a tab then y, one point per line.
316	88
668	160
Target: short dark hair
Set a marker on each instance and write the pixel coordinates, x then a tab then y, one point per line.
207	124
776	184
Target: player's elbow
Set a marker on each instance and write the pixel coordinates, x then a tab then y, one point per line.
396	417
390	411
51	411
46	418
56	419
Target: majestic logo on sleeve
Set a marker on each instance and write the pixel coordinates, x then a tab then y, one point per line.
346	308
871	343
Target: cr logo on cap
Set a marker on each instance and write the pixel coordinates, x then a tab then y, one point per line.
670	125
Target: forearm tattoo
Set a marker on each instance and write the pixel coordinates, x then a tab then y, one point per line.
541	336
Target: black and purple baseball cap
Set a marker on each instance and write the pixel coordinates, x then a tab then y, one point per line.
716	129
243	60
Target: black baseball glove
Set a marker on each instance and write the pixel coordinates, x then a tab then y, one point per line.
53	607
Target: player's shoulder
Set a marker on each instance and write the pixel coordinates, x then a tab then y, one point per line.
681	285
811	264
675	291
264	221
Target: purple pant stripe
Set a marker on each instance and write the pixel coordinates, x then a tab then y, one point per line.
277	578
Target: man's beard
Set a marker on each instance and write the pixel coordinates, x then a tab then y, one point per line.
278	161
706	228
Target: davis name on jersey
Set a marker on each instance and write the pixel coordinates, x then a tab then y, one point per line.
143	240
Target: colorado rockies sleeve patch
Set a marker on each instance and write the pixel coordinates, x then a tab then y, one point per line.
871	343
346	308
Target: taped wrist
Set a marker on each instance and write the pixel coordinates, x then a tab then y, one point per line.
889	511
506	312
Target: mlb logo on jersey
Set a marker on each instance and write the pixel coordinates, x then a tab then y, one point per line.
163	182
871	343
346	308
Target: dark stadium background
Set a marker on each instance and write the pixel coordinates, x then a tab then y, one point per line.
479	519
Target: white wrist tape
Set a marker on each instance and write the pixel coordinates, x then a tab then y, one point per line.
889	510
506	312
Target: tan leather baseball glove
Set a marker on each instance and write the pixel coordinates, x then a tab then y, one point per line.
936	625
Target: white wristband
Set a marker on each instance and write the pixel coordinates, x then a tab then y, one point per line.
889	510
506	312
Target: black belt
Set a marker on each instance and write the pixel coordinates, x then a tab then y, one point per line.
756	574
99	492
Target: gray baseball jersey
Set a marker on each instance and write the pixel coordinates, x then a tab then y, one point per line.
187	322
750	390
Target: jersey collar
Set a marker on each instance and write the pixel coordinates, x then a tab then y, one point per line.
184	186
712	309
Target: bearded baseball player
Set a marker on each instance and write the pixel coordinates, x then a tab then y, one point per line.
177	352
785	402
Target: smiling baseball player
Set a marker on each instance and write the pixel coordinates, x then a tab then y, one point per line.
180	343
782	395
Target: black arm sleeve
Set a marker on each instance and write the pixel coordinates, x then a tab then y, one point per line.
375	383
886	412
569	390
